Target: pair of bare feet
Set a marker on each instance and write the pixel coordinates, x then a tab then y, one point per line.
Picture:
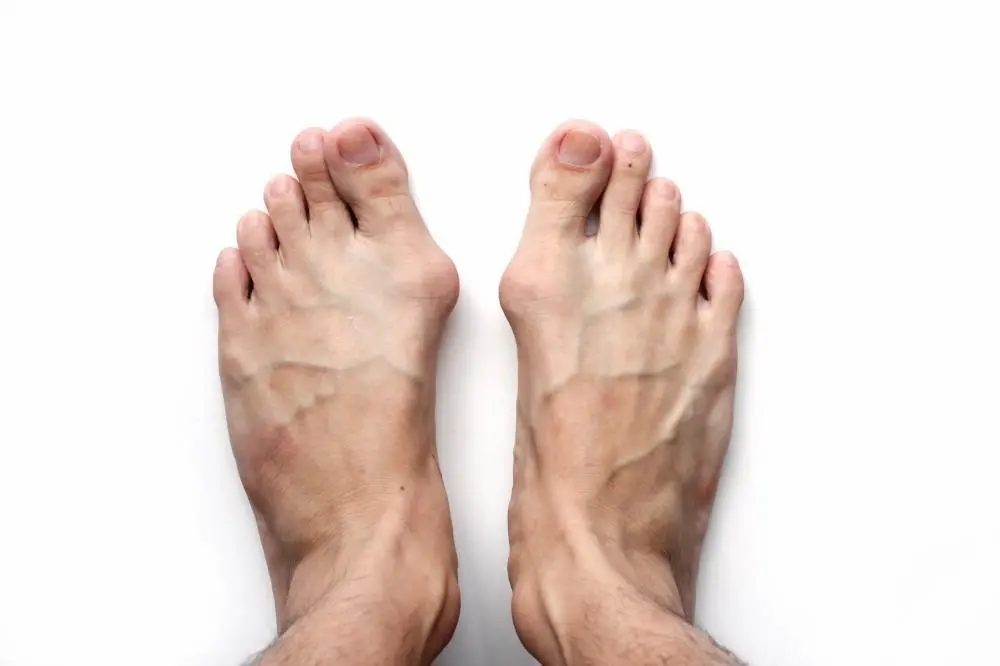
330	316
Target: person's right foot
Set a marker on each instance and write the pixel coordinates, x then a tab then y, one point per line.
627	365
330	315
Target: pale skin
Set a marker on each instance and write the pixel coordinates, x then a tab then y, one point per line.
330	316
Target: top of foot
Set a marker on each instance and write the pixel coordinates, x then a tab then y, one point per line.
627	348
330	315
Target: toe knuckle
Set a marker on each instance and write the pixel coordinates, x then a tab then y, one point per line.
234	363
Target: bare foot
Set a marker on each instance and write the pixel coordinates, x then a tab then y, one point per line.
627	366
330	315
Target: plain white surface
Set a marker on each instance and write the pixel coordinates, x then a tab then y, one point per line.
847	152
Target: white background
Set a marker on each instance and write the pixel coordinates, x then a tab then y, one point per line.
848	152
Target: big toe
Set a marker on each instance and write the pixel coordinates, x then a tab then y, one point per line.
568	177
369	173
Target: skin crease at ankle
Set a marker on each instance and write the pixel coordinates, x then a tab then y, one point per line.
583	612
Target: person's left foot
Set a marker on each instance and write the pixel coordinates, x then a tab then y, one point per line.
626	343
330	315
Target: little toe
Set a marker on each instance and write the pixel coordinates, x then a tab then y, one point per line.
568	177
660	217
691	249
370	174
620	203
724	284
230	282
287	207
258	245
326	213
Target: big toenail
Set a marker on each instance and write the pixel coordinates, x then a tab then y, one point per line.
579	148
310	142
633	143
357	146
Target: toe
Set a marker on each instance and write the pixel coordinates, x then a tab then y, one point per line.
567	178
326	212
660	216
620	203
724	284
691	249
287	207
258	246
370	174
230	282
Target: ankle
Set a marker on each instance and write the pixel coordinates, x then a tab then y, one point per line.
578	592
566	538
405	561
375	620
408	592
397	541
557	574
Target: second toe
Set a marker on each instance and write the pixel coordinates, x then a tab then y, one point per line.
620	202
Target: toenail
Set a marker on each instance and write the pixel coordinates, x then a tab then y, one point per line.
310	142
579	148
278	187
357	146
666	189
633	143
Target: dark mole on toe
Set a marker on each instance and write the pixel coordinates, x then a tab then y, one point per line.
629	165
402	488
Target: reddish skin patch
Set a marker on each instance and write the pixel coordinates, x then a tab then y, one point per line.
273	450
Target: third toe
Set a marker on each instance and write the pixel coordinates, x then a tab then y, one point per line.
286	206
659	218
258	246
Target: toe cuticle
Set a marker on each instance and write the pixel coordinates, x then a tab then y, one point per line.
579	148
358	146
